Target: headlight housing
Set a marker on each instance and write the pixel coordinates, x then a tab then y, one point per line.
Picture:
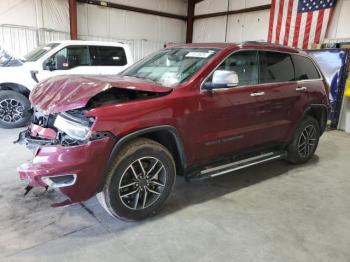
74	127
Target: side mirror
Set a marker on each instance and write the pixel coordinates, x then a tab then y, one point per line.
49	65
222	79
59	62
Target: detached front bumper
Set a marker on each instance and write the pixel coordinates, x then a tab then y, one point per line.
85	163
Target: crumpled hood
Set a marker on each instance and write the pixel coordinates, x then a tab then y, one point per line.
63	93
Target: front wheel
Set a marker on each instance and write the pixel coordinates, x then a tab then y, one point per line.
15	109
305	141
139	181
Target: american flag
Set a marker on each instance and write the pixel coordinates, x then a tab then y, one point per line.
299	23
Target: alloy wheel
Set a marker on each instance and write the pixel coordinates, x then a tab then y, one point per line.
11	110
142	183
307	141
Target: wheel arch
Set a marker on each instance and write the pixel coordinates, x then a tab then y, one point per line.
166	135
15	87
320	113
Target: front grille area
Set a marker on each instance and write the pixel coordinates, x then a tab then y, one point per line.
45	121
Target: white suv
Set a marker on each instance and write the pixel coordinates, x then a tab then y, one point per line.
18	78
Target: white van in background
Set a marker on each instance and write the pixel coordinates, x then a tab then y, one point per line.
18	77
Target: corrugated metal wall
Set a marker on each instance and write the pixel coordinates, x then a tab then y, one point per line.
234	28
25	24
20	40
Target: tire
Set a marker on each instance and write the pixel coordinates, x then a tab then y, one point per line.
305	141
128	194
15	109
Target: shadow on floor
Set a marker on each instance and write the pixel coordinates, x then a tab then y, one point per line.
186	194
190	193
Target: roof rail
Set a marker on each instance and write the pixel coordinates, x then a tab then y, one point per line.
267	44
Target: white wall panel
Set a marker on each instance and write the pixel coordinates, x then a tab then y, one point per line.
252	3
18	12
170	6
211	6
55	15
82	20
256	25
52	14
97	21
209	30
172	30
120	24
240	27
236	5
339	25
142	26
117	21
235	28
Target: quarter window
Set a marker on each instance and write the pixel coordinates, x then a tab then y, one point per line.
108	56
245	64
275	67
304	68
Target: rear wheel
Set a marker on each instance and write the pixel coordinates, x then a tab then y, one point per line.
305	141
15	109
139	181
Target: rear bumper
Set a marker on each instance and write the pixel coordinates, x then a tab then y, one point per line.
87	162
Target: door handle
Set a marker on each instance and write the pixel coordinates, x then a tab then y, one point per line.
301	88
257	94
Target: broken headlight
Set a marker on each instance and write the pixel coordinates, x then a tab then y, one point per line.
74	127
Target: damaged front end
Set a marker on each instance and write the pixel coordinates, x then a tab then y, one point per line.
67	154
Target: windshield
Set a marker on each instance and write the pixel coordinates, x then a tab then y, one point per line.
38	52
170	67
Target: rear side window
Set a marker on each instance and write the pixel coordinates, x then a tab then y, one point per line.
108	56
304	68
275	67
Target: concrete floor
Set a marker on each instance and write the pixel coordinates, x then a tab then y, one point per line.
275	212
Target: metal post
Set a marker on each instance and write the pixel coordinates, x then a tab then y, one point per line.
73	19
190	14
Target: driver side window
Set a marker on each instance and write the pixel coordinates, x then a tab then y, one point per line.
70	57
245	64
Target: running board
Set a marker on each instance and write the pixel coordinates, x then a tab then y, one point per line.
237	165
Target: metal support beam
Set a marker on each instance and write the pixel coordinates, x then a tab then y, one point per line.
190	15
233	12
132	9
73	19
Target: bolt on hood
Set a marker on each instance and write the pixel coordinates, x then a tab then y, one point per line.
63	93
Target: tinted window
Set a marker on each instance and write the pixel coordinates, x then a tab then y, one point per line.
275	67
108	56
70	57
245	64
304	68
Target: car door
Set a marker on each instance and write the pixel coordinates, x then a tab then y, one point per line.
279	98
108	59
229	119
69	60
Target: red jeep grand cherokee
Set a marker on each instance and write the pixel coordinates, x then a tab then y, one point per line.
199	110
